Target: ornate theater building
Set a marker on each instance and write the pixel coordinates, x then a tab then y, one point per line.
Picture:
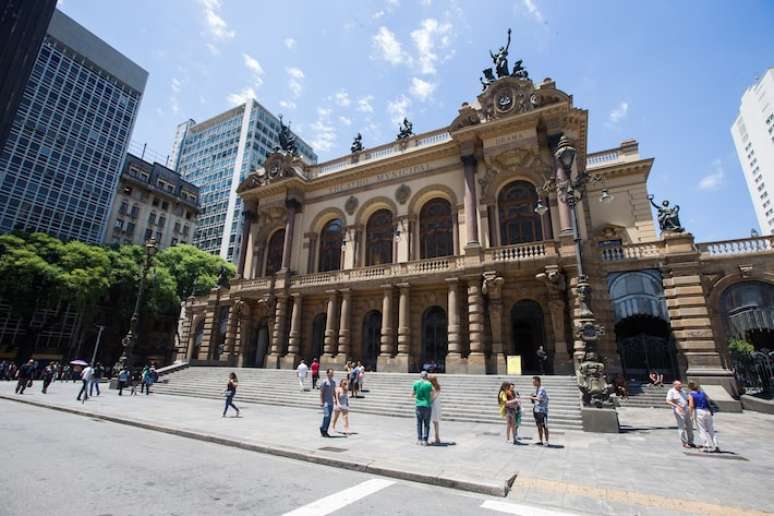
456	247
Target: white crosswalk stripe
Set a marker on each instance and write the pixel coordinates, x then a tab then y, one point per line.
521	509
341	499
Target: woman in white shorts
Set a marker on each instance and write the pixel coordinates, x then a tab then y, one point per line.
342	406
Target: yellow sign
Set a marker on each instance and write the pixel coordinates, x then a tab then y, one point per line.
514	364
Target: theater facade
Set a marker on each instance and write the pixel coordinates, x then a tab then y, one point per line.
429	249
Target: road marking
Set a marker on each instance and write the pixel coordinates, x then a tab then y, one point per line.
341	499
523	510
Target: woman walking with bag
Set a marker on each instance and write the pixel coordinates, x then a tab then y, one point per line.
700	405
229	393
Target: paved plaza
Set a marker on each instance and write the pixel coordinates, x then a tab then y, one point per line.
641	471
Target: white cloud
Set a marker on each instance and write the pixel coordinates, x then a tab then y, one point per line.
398	109
421	89
287	104
255	67
426	3
216	25
241	97
213	49
174	102
344	120
714	179
431	35
393	3
619	113
290	43
388	46
324	134
342	99
176	84
377	15
295	81
364	104
530	6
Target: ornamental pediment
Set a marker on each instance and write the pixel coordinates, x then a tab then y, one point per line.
279	165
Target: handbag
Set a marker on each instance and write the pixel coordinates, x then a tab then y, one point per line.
227	393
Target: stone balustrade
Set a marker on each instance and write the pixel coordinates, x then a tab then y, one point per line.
739	246
602	158
632	251
520	252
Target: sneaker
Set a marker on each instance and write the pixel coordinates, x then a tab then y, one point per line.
539	443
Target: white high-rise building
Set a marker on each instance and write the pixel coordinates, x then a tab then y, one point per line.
753	133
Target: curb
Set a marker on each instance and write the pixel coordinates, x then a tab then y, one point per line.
495	488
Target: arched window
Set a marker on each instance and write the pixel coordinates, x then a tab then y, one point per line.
435	229
379	233
518	220
331	238
274	252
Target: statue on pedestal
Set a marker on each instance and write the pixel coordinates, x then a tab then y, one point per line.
668	217
406	130
500	59
592	381
287	141
357	144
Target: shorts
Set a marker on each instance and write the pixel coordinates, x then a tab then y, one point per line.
540	418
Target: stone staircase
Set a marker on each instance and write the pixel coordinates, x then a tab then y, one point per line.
645	396
471	398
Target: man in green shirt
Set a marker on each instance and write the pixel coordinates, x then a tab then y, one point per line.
423	395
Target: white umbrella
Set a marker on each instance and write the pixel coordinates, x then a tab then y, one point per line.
79	363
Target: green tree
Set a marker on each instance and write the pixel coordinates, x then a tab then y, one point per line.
195	271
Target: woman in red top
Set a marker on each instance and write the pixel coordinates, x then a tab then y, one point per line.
315	373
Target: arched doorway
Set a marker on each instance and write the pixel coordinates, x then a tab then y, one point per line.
318	336
642	330
645	344
748	312
436	231
259	345
219	344
527	334
372	333
516	209
198	338
435	334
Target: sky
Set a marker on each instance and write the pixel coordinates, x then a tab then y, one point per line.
669	74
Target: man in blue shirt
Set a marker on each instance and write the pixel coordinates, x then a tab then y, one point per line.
540	409
327	390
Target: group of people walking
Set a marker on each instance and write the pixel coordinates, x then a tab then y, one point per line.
691	406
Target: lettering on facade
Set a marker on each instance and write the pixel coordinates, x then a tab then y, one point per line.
380	178
512	137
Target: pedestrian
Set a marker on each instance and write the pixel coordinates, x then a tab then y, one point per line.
25	377
542	357
327	401
315	372
540	410
65	373
353	380
508	403
229	393
144	373
422	392
48	377
677	399
148	378
135	379
87	375
3	369
342	406
701	406
95	381
435	410
123	379
302	371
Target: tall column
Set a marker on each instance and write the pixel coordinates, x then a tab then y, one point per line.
344	330
294	342
476	358
454	361
404	321
248	216
471	206
387	340
287	249
278	332
245	316
565	224
330	325
455	231
494	284
232	331
312	252
402	251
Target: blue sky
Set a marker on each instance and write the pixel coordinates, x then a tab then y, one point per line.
669	74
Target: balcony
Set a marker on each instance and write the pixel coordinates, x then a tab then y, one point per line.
740	246
632	252
521	252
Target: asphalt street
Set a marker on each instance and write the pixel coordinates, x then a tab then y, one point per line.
57	463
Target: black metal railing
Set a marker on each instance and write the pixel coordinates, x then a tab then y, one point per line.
755	372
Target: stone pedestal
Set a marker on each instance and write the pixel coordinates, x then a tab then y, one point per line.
272	361
497	364
397	364
600	420
455	364
336	362
289	361
476	363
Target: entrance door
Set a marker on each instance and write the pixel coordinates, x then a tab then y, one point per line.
435	332
318	335
527	334
260	346
644	345
198	338
372	334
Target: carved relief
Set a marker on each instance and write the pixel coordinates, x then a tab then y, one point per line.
467	116
402	194
351	205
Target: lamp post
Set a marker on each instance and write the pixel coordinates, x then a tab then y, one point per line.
571	191
130	340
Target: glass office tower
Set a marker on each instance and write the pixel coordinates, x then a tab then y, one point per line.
216	155
60	165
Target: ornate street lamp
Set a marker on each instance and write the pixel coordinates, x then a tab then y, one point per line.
130	340
591	373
